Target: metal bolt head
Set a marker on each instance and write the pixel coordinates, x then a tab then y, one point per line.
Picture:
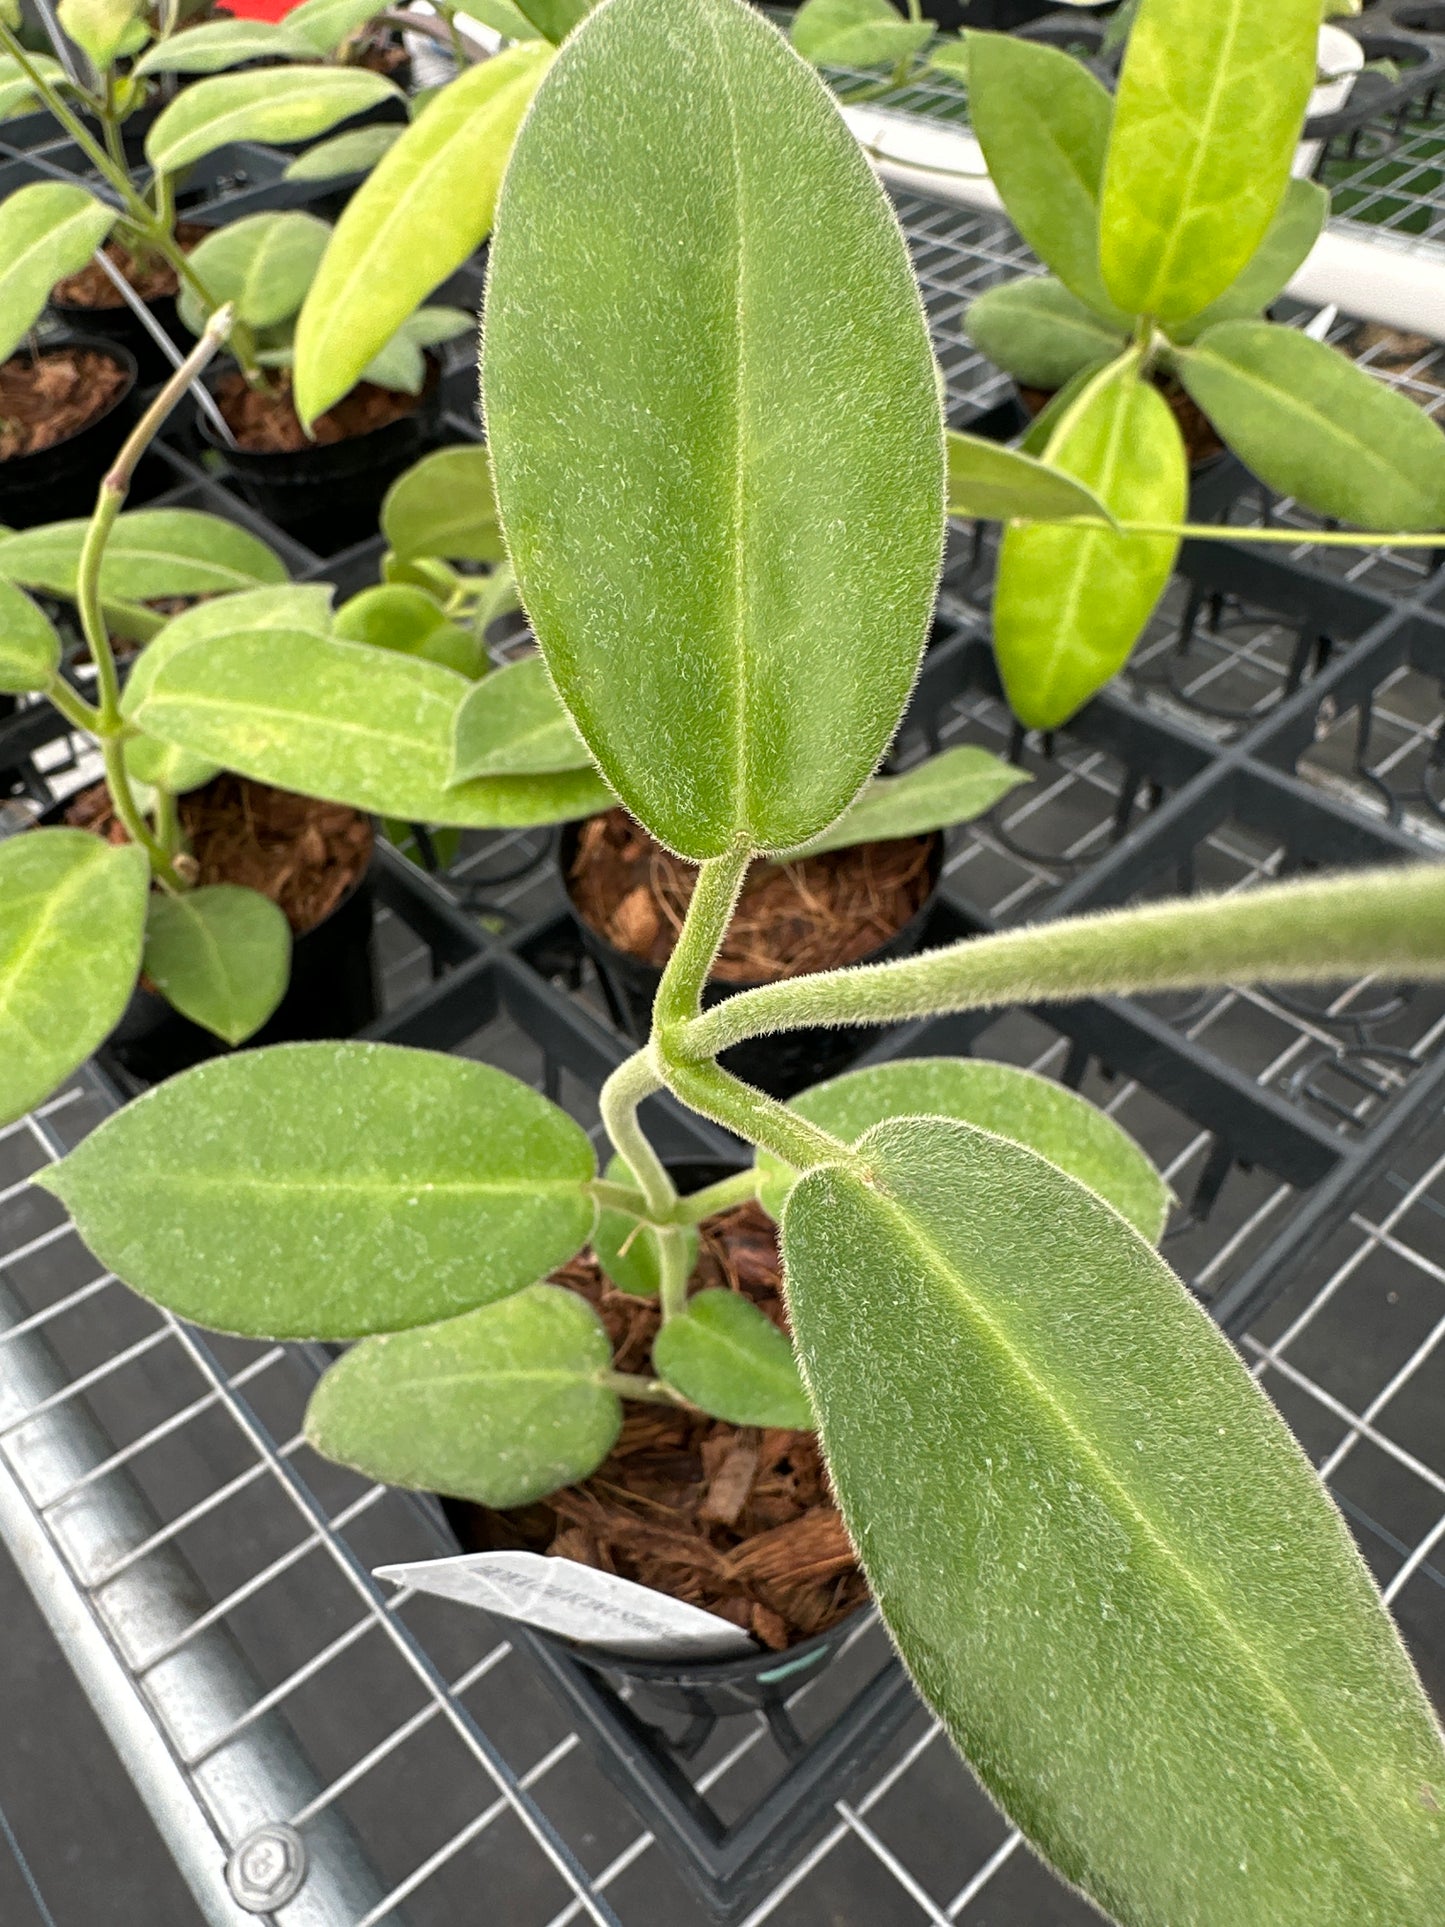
267	1869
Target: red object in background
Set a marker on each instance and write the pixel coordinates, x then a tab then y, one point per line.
260	9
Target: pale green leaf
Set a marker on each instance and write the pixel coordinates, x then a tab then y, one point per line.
501	1407
1313	425
47	230
1000	484
330	1190
953	787
326	23
444	506
1106	1562
1040	431
151	553
165	766
857	33
353	153
627	1250
400	364
397	616
1034	1111
1071	603
356	725
713	421
1039	332
100	28
215	45
514	722
274	104
29	646
1209	110
503	18
72	916
1042	120
951	57
221	955
264	263
423	209
1280	256
555	18
17	94
291	605
726	1356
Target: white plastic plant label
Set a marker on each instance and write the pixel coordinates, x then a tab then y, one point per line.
560	1596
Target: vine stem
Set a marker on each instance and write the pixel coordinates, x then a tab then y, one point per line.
652	1391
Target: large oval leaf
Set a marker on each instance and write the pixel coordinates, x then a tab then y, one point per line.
726	1356
1003	484
1039	332
356	152
395	615
213	45
276	104
714	424
151	553
330	1190
514	721
555	18
29	646
424	208
47	230
263	264
1279	257
444	506
221	955
502	1406
72	918
294	606
857	33
1106	1562
1071	603
353	724
1313	425
326	23
1042	120
1209	109
1047	1117
101	28
953	787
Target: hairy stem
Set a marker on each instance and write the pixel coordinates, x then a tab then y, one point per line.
679	995
74	708
1312	931
741	1188
759	1119
629	1085
618	1197
116	177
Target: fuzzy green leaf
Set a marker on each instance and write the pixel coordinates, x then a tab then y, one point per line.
304	606
1313	425
726	1356
1209	110
72	917
353	153
713	421
356	725
1003	484
165	766
1280	256
274	104
555	18
423	209
627	1251
151	553
1106	1562
29	646
215	45
330	1190
1071	603
263	263
503	18
1042	120
514	722
47	230
502	1406
100	28
857	33
444	506
221	955
17	93
397	616
1039	332
1047	1117
953	787
326	23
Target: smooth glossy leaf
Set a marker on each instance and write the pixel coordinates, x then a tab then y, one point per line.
214	45
501	1407
953	787
47	230
330	1190
444	506
857	33
1040	431
728	1357
1071	603
401	364
1000	484
1039	332
72	916
17	93
1313	425
100	28
713	422
426	206
151	553
1034	1111
555	18
263	263
353	153
221	955
353	724
627	1250
1042	120
1280	256
292	606
29	646
514	722
396	616
1106	1562
1209	110
326	23
276	104
165	766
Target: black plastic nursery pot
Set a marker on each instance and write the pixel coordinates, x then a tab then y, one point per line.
782	1066
123	328
55	483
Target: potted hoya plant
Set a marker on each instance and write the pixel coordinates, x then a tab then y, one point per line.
719	464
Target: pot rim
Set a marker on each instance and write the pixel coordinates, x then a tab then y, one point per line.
97	344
